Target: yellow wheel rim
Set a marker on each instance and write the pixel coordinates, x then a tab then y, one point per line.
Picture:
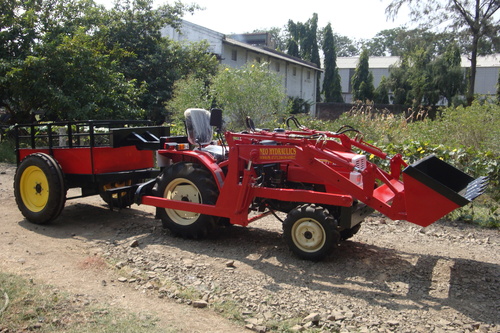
34	188
183	190
308	235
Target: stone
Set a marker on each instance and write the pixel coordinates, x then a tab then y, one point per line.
122	279
200	304
313	317
134	243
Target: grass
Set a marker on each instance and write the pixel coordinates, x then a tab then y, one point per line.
465	137
42	308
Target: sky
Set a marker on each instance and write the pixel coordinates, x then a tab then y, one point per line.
356	19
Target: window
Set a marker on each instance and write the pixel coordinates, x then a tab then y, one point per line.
294	71
278	67
308	75
257	59
234	55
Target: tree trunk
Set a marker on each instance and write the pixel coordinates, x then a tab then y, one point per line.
473	65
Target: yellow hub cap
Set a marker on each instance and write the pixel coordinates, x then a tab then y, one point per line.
308	235
34	188
183	190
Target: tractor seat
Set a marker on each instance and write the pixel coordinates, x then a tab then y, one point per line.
200	132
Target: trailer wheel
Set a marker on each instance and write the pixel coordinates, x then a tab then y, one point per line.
39	188
187	182
310	232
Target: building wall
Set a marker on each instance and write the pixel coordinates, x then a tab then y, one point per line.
298	80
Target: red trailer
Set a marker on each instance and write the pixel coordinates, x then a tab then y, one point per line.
322	180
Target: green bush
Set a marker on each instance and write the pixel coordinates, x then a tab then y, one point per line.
465	137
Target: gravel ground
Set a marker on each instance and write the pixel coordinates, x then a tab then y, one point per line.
392	276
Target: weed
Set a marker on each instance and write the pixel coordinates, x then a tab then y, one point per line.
42	308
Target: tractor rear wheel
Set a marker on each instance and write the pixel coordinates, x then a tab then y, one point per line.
39	188
187	182
310	232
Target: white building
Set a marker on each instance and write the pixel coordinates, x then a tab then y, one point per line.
299	76
487	72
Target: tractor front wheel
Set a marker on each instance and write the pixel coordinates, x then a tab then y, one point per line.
39	188
186	182
310	232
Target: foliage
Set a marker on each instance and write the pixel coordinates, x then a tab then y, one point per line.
381	95
473	19
71	80
298	105
424	79
68	60
251	90
400	41
466	137
332	89
362	80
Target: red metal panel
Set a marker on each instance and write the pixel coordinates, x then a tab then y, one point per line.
424	205
107	159
74	160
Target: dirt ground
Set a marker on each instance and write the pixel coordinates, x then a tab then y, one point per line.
392	276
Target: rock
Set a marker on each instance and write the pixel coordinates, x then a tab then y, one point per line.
122	279
200	304
134	243
393	323
230	263
313	317
297	328
336	315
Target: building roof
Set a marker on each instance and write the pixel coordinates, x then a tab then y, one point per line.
492	60
272	53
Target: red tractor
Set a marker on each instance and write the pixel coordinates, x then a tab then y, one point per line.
322	180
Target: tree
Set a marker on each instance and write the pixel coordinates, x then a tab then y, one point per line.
252	91
331	83
471	18
362	80
73	80
398	41
447	75
381	95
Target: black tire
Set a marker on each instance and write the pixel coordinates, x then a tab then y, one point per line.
189	182
348	233
310	232
39	188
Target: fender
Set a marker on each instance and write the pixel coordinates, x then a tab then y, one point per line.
196	156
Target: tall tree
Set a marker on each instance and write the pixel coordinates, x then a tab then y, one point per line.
447	75
381	95
474	18
362	80
331	83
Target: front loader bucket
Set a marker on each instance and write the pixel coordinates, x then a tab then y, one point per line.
433	188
